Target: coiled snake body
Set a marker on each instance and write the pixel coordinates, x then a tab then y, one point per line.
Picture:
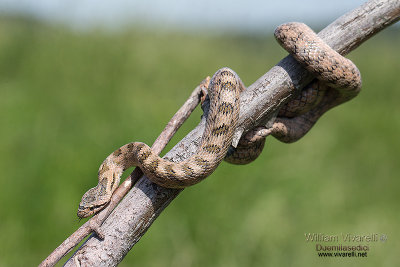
293	121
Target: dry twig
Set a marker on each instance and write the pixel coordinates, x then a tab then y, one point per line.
96	221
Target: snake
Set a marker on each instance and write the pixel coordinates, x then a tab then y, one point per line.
337	80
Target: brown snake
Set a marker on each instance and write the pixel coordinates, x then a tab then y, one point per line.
341	82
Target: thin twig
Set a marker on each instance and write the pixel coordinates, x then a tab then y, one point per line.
170	129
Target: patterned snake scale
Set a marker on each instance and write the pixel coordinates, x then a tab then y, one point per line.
340	81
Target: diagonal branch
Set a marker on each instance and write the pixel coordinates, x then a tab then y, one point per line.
135	214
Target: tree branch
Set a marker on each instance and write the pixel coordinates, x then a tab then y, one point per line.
135	214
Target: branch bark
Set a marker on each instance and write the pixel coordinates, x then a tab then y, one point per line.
142	205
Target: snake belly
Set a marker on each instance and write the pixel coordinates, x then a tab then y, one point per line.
220	124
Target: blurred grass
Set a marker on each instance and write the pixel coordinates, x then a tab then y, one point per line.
68	99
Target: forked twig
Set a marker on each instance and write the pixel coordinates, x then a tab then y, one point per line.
162	140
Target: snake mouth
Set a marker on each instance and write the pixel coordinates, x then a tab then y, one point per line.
84	212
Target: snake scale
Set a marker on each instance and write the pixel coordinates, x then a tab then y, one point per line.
338	81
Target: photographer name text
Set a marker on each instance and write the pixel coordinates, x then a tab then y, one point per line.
343	237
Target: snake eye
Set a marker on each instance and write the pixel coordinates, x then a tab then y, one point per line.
91	208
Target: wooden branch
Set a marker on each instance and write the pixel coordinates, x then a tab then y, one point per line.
131	219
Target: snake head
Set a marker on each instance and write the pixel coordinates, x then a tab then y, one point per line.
92	202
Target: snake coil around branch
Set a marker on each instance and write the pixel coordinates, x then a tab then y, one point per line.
338	80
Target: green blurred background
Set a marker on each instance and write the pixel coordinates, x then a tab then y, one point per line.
69	98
